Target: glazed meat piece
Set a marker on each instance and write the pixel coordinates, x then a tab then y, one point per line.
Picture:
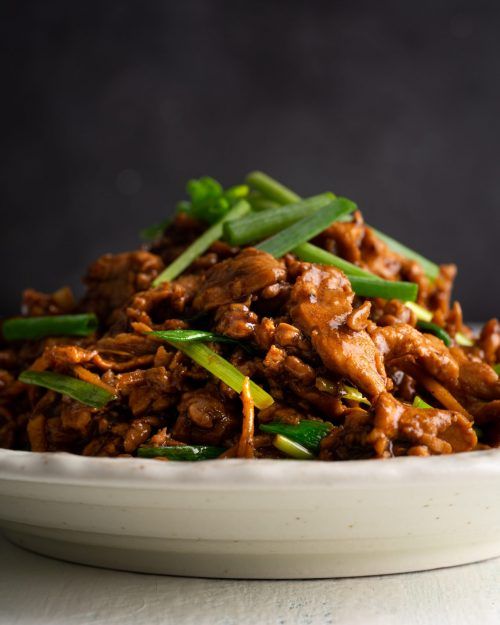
402	340
113	279
440	431
489	341
476	378
36	303
236	321
320	304
147	391
205	418
236	278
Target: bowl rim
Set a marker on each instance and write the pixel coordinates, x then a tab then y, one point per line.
60	468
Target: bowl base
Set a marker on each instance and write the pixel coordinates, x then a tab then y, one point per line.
220	559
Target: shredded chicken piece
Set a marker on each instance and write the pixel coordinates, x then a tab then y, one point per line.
441	431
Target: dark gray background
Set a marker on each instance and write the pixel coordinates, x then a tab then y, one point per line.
109	107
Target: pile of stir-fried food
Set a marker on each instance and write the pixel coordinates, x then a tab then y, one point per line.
254	324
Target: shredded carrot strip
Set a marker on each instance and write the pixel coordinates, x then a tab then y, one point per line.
88	376
245	446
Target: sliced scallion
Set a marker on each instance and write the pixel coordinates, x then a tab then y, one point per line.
431	270
260	203
276	191
418	402
496	368
351	393
307	433
192	336
25	328
84	392
258	226
185	453
386	289
313	254
433	328
222	369
306	228
201	244
271	188
421	313
198	336
291	448
363	282
463	341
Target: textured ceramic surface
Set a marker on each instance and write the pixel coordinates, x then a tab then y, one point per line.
254	519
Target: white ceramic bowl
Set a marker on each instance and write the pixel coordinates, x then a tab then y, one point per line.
254	519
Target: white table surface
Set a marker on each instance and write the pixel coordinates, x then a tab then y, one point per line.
41	591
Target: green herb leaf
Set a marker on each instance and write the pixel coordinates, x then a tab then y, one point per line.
25	328
209	202
85	393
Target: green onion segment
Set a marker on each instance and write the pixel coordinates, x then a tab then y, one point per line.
386	289
222	369
363	282
352	393
270	188
199	336
421	313
201	244
258	226
23	328
496	368
84	392
307	433
276	191
418	402
433	328
192	336
291	448
313	254
431	270
306	228
462	340
186	453
260	203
